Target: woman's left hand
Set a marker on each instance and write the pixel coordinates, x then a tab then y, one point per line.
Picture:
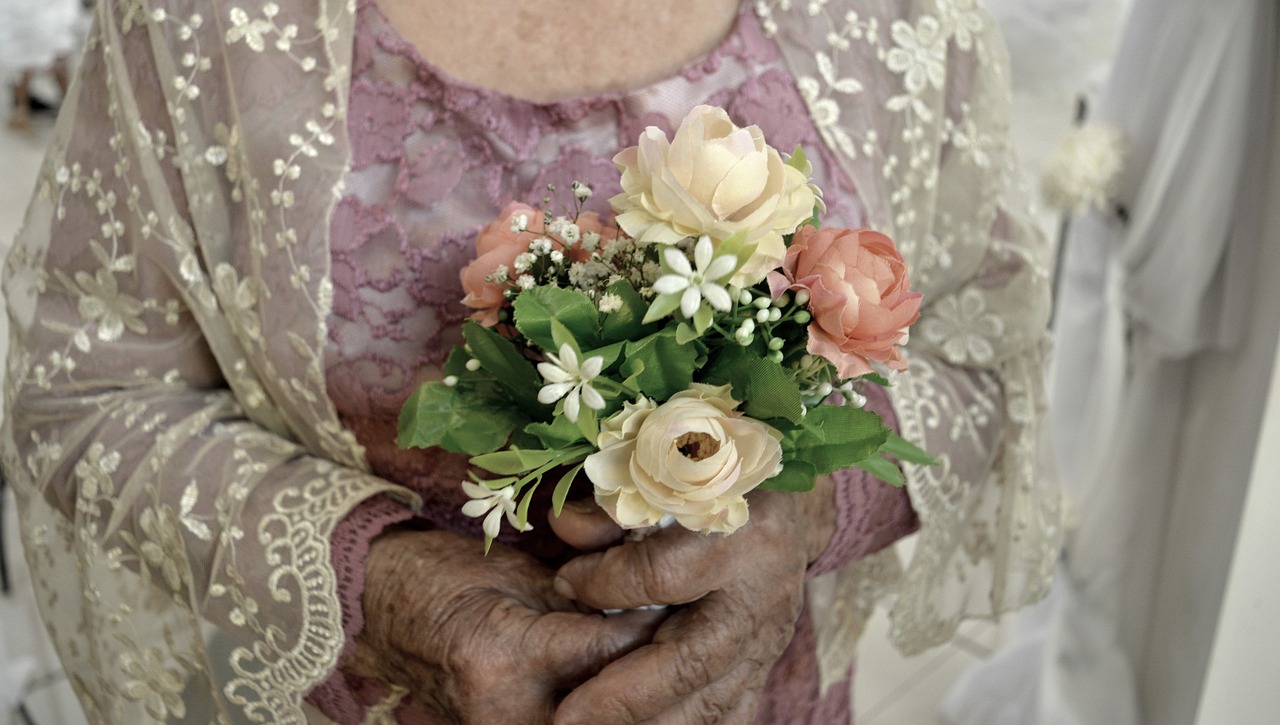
708	661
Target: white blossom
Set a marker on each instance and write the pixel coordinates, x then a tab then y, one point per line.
695	283
571	381
492	505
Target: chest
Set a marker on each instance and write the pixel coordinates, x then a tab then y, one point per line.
546	50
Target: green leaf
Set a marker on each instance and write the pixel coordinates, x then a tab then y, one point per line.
561	491
610	353
514	461
625	323
660	365
500	358
559	433
536	308
905	450
767	389
663	305
522	511
702	319
883	469
835	437
796	475
438	415
587	424
686	334
877	379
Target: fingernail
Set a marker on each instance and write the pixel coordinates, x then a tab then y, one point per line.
564	588
581	506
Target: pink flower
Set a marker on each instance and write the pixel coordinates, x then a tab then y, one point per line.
498	245
859	296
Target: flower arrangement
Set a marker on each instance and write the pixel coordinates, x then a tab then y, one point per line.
709	340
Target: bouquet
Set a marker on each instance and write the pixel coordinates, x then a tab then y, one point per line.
709	340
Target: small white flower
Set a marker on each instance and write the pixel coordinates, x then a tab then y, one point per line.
609	302
697	283
541	245
526	281
581	191
590	241
557	256
570	233
524	261
571	381
492	505
519	222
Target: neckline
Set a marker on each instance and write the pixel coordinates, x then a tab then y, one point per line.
411	51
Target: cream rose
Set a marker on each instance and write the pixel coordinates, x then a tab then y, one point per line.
694	457
712	178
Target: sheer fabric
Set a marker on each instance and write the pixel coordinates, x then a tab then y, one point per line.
170	433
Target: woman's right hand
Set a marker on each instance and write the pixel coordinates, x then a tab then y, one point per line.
476	638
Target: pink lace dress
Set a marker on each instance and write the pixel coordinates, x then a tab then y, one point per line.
435	159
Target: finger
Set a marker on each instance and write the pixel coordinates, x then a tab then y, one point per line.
572	648
585	526
694	648
672	566
729	701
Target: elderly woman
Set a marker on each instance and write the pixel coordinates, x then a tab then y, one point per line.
243	256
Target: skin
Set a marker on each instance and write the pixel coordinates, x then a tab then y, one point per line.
547	50
740	596
480	639
501	638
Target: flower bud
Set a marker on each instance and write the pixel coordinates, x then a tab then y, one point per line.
473	365
803	317
802	297
776	343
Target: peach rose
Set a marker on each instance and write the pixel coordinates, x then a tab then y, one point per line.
716	179
500	243
859	296
693	457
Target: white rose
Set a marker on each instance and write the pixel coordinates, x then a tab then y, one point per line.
716	179
693	457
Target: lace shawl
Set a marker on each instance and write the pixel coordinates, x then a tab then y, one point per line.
179	465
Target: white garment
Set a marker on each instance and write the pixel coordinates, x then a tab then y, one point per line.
35	32
1167	329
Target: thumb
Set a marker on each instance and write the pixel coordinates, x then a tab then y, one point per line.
585	526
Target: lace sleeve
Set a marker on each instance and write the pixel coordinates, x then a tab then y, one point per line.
176	524
913	98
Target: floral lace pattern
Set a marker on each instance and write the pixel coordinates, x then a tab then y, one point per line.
172	428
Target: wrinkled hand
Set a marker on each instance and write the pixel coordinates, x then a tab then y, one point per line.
479	639
708	662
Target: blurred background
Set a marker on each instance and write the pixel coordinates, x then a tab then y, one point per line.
1188	647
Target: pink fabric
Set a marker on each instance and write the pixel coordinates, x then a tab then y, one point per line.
434	159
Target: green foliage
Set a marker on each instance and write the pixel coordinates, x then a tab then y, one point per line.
625	323
659	365
499	357
905	450
536	309
883	469
767	389
833	437
456	420
561	491
559	433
